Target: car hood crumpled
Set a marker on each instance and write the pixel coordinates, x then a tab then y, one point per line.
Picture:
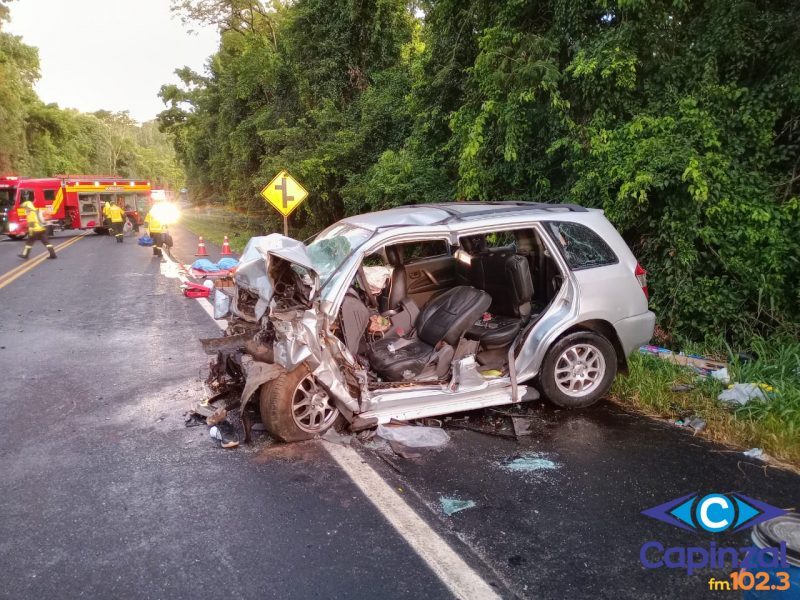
252	273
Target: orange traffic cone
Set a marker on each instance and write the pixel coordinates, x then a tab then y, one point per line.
226	248
201	248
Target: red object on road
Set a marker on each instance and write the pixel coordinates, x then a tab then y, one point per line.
226	248
193	290
201	248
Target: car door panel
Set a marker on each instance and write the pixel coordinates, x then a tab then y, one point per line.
429	276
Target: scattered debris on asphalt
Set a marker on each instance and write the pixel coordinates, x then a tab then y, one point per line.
225	435
742	393
218	416
194	419
494	426
532	461
451	506
522	426
412	436
334	437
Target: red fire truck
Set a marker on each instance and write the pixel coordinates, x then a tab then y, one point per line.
76	201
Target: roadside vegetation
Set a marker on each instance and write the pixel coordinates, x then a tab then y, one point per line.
42	140
215	222
772	425
680	119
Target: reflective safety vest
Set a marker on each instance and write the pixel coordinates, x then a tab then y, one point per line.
35	220
116	214
153	224
106	206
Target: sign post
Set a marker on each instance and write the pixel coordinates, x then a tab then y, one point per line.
284	194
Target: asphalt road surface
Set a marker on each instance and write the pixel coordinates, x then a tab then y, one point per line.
107	494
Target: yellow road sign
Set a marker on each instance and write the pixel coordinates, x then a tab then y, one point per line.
284	193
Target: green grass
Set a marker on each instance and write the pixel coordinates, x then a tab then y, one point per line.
773	425
213	223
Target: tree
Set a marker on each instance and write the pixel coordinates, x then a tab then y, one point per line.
680	119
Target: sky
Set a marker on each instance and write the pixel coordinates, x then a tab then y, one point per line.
108	54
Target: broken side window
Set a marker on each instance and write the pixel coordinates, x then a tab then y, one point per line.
417	251
582	248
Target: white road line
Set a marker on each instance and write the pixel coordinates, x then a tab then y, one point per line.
207	306
447	565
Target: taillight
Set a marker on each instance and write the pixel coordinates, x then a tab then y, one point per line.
641	277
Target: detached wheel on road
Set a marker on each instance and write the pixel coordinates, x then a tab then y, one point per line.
294	407
578	370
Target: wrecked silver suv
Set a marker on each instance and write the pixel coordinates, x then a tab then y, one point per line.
433	309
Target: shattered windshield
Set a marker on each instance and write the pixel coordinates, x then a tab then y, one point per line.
332	246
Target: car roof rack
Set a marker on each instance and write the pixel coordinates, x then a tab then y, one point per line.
509	205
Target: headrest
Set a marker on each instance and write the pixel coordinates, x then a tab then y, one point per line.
475	244
526	244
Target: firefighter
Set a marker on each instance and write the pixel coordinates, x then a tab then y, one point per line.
37	230
106	216
117	216
155	229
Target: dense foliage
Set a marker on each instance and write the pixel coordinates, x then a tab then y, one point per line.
680	119
38	139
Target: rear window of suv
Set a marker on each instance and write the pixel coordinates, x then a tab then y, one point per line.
582	248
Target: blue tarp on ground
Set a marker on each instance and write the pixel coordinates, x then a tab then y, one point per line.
203	264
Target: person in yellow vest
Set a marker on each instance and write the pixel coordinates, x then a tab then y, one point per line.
155	229
37	230
117	215
106	217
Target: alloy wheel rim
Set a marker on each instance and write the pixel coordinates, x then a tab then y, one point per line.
579	370
313	410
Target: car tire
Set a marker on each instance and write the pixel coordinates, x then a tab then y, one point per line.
578	370
282	406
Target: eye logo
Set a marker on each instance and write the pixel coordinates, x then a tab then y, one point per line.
714	512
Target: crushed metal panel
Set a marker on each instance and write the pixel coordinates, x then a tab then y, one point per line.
230	342
256	374
251	274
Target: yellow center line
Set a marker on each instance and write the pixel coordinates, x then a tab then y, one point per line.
17	272
37	259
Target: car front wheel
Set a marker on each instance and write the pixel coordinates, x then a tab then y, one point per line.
578	370
295	407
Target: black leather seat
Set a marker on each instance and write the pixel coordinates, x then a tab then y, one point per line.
397	286
507	278
445	318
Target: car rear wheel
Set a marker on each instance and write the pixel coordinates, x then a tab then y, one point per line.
295	407
578	370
